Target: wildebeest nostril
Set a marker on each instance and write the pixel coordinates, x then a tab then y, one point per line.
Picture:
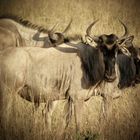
110	72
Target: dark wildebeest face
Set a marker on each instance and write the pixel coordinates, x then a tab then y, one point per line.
108	46
107	41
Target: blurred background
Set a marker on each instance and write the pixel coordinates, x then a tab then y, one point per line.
83	12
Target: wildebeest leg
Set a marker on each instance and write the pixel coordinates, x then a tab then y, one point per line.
106	110
67	112
7	98
66	118
50	107
78	110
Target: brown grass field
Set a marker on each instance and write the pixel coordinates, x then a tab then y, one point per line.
21	121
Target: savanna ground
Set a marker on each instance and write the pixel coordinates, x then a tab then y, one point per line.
21	121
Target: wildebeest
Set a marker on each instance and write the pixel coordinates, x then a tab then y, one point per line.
108	45
53	74
48	75
20	32
135	54
127	70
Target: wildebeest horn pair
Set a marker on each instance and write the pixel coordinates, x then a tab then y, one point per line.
96	38
58	38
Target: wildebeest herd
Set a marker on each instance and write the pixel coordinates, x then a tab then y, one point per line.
43	66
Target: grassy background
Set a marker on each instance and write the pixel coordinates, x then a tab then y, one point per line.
83	12
21	121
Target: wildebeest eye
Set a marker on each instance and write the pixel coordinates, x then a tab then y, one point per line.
100	40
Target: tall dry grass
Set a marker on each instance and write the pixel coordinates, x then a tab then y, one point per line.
20	120
83	12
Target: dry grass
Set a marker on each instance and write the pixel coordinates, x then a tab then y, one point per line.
21	121
83	12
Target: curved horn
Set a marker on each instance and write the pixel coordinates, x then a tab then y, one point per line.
125	28
88	31
68	27
52	29
51	34
58	38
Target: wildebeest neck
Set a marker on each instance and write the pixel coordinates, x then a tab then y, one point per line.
92	64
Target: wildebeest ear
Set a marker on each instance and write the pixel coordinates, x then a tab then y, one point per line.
89	40
129	39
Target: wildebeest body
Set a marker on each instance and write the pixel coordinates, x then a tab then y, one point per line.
54	70
40	75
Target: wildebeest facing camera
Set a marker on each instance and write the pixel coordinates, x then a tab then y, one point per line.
108	45
134	52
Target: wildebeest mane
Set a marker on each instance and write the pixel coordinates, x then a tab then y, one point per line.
24	22
127	70
92	65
